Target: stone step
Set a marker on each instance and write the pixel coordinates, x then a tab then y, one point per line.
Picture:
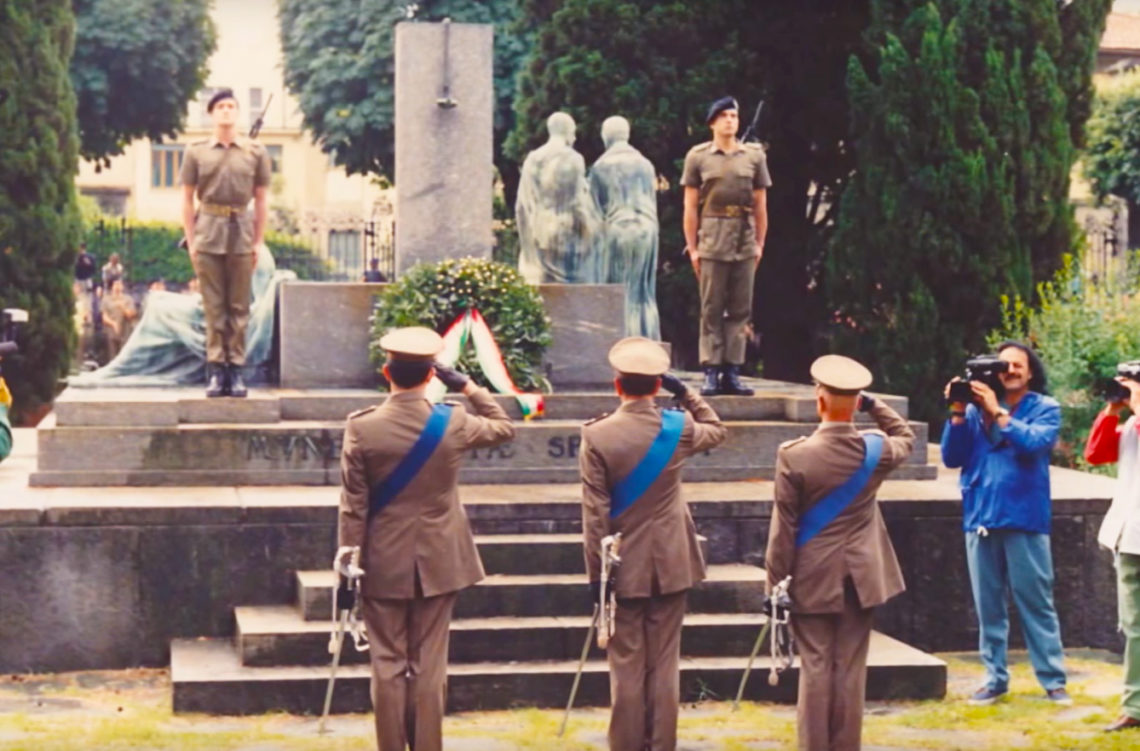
91	407
538	554
269	635
729	588
307	453
208	677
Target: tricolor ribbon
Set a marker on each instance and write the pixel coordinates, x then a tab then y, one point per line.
471	326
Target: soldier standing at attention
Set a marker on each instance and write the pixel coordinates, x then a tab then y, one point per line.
400	505
828	534
725	222
631	465
227	172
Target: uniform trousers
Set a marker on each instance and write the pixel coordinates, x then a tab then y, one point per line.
225	282
726	307
1128	597
408	650
645	678
1010	560
833	675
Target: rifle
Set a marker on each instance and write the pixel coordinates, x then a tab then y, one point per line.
256	127
751	130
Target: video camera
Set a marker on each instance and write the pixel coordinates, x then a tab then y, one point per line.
984	368
1113	390
10	322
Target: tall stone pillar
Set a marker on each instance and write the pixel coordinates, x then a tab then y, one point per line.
444	156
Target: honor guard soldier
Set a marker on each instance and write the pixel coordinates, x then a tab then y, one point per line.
725	222
631	464
227	172
828	534
400	505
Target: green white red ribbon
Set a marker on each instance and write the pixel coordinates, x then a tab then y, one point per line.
472	327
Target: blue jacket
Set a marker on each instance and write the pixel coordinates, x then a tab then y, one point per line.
1005	476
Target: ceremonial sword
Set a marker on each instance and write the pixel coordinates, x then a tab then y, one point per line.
604	609
780	606
345	605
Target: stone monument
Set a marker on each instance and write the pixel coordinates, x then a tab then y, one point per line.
444	157
558	221
624	186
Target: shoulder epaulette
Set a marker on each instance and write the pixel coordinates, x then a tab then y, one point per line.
360	412
793	442
701	147
602	416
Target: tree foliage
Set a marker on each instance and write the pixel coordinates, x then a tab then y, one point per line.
660	64
1112	163
963	128
339	63
136	65
39	222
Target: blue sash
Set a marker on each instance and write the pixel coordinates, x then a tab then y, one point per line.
631	487
831	505
383	492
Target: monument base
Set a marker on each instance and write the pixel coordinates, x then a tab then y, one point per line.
325	334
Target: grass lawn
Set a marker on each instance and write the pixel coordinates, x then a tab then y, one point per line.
130	711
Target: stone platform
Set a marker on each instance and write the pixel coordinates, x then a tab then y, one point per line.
177	437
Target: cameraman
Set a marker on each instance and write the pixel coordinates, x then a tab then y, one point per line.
1003	450
1120	533
5	426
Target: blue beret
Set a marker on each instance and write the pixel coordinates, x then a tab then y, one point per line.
719	106
218	96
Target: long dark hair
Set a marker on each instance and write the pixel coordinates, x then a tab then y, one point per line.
1037	377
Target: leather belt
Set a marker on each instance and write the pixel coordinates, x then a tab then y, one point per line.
219	209
729	212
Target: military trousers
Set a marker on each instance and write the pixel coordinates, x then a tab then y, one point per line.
833	675
225	281
1128	597
726	307
408	651
645	679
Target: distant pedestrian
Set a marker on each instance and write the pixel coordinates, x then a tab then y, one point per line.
373	274
112	271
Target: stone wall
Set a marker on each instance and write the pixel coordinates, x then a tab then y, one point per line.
100	587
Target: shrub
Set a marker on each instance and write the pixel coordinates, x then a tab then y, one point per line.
153	253
1081	329
434	295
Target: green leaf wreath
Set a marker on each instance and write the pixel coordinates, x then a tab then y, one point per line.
434	295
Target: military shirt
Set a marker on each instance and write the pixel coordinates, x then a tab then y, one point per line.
225	176
726	181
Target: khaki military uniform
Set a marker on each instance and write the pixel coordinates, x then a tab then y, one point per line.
726	243
225	178
417	553
839	575
661	560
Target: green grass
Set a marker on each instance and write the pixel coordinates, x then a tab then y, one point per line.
130	711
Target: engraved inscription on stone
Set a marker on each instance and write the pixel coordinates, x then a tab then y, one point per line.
295	448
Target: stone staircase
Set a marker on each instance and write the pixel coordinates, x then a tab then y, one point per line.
515	641
176	437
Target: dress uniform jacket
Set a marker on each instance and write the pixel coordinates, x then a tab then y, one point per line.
659	551
424	529
856	543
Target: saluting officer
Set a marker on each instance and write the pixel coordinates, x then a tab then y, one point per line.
725	223
399	469
227	172
828	533
631	464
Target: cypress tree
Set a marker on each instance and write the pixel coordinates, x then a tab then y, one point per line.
964	125
39	222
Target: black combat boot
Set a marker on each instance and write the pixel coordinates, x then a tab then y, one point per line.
215	380
730	382
236	382
711	386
